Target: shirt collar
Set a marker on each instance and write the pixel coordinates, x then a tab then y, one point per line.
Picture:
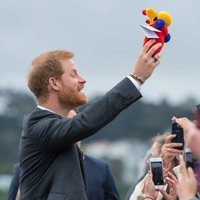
43	108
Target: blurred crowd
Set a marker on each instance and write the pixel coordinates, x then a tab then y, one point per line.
179	177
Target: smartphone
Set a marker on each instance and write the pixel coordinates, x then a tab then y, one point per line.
192	162
156	166
178	131
198	107
189	158
197	116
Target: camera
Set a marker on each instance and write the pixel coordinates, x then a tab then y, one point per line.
178	131
197	116
198	107
189	158
192	162
156	166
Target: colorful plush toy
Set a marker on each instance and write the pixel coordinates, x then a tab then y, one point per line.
161	21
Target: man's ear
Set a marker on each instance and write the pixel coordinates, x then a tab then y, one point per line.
54	84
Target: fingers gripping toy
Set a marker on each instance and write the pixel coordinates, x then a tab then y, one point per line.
161	21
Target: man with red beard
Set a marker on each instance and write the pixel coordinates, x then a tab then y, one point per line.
51	163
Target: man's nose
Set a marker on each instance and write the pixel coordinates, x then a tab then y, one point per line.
82	80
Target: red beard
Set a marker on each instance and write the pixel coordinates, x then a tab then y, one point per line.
71	97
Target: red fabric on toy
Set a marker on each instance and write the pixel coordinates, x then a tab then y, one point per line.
161	38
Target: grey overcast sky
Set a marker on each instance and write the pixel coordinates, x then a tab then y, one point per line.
106	38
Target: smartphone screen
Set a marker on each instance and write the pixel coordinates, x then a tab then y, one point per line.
178	131
157	172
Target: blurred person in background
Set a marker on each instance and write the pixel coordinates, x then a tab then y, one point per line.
157	142
100	181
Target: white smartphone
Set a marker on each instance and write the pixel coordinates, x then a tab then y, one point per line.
156	166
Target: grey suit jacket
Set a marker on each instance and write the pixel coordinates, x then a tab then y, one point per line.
51	164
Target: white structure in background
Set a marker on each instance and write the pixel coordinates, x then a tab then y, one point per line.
5	182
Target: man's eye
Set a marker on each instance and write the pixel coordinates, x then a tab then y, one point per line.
74	74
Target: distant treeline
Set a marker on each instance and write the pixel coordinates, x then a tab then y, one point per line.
142	121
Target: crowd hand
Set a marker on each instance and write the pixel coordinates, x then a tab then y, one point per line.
149	187
186	124
169	151
171	180
191	135
187	184
146	63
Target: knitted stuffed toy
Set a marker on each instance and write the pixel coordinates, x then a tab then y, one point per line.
161	21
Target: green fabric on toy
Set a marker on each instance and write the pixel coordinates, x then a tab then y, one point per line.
160	20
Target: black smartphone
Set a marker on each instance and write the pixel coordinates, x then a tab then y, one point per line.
178	131
198	107
157	172
189	158
197	116
194	163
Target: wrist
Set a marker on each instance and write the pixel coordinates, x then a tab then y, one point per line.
137	78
